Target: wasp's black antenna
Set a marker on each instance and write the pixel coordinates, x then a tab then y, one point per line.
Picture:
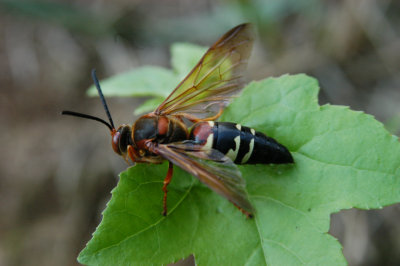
88	117
103	100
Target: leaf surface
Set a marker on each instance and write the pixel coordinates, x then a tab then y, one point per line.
144	81
343	159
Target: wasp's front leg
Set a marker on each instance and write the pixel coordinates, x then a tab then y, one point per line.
167	180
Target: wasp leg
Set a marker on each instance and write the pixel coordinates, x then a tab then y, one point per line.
127	161
167	180
132	154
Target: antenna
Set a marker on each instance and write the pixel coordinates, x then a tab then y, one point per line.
71	113
103	100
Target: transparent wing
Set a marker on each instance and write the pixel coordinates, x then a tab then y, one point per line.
212	168
217	77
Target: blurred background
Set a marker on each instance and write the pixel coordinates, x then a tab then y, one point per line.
57	172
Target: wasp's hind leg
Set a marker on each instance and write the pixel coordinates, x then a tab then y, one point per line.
167	180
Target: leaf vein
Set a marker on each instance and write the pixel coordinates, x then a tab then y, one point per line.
150	226
289	207
261	240
286	248
351	166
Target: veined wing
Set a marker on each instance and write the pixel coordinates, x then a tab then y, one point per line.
217	77
212	168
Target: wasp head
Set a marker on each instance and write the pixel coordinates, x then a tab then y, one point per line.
121	138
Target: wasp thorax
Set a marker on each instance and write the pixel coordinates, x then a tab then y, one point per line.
145	128
159	129
121	138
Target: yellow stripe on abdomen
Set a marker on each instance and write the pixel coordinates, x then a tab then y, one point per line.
232	153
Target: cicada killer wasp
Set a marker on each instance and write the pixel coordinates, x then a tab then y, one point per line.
183	131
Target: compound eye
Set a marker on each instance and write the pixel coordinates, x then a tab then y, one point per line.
115	142
125	139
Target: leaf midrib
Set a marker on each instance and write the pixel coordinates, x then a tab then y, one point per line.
144	229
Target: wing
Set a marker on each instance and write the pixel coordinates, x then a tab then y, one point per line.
212	168
217	77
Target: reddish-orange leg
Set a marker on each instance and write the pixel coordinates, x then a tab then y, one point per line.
132	153
167	180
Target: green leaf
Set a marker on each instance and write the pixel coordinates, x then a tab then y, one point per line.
144	81
343	159
184	57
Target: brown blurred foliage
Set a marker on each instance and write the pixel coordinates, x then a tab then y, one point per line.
57	172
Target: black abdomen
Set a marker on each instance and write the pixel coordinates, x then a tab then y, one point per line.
241	144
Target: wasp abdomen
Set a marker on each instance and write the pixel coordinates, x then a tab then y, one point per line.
243	145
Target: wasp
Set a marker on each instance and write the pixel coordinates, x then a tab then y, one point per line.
183	130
